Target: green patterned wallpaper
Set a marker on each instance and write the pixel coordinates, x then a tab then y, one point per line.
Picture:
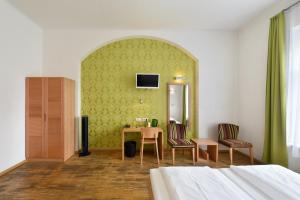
108	93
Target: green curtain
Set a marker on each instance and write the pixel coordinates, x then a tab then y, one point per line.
275	150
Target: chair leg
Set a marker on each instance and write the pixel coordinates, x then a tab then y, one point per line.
173	156
157	155
193	152
142	151
230	155
251	155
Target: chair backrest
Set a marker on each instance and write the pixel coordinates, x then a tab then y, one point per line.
228	131
149	132
176	131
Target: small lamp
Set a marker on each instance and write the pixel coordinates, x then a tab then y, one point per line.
179	78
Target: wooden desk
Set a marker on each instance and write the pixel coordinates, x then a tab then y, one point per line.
212	149
138	129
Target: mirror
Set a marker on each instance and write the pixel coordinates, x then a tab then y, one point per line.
179	103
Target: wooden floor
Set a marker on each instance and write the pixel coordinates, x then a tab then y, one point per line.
102	175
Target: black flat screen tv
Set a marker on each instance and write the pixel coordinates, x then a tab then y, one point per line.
144	80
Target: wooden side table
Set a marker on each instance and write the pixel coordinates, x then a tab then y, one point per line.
212	149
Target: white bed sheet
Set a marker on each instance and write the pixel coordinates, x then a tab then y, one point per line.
159	189
237	182
274	181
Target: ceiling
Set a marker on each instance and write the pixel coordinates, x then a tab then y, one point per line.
141	14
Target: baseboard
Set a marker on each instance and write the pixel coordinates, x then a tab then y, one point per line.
44	160
255	159
223	151
167	150
244	154
12	168
104	149
114	149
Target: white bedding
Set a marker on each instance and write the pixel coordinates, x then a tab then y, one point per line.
236	182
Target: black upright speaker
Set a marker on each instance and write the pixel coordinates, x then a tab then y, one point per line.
84	136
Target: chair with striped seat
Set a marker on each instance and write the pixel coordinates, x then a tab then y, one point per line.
177	139
228	134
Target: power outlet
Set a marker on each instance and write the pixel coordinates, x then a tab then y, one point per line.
138	119
141	119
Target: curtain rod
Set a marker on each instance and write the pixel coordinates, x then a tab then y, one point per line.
294	4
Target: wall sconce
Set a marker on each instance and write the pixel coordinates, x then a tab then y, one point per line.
179	78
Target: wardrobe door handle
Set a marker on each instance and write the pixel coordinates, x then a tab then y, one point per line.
45	116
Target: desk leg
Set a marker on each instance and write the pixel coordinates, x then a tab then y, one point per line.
161	145
123	145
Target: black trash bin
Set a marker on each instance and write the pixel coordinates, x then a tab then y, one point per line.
130	148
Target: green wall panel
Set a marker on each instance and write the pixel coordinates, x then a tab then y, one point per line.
108	93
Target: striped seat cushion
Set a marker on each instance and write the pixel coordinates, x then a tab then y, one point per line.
235	143
177	136
180	142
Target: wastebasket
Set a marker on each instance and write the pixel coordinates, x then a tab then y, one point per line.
130	148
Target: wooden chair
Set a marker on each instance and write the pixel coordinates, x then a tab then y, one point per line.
177	139
228	134
149	136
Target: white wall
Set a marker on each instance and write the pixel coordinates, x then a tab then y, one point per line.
20	56
216	51
253	50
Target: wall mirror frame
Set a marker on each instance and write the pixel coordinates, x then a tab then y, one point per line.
179	103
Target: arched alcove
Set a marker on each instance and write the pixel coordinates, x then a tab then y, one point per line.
108	93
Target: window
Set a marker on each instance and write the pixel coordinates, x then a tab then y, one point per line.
293	81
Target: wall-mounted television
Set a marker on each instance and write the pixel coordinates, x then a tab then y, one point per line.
144	80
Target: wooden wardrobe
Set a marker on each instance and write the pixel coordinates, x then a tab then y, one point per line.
50	120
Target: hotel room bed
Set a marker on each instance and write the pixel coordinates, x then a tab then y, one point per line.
236	182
